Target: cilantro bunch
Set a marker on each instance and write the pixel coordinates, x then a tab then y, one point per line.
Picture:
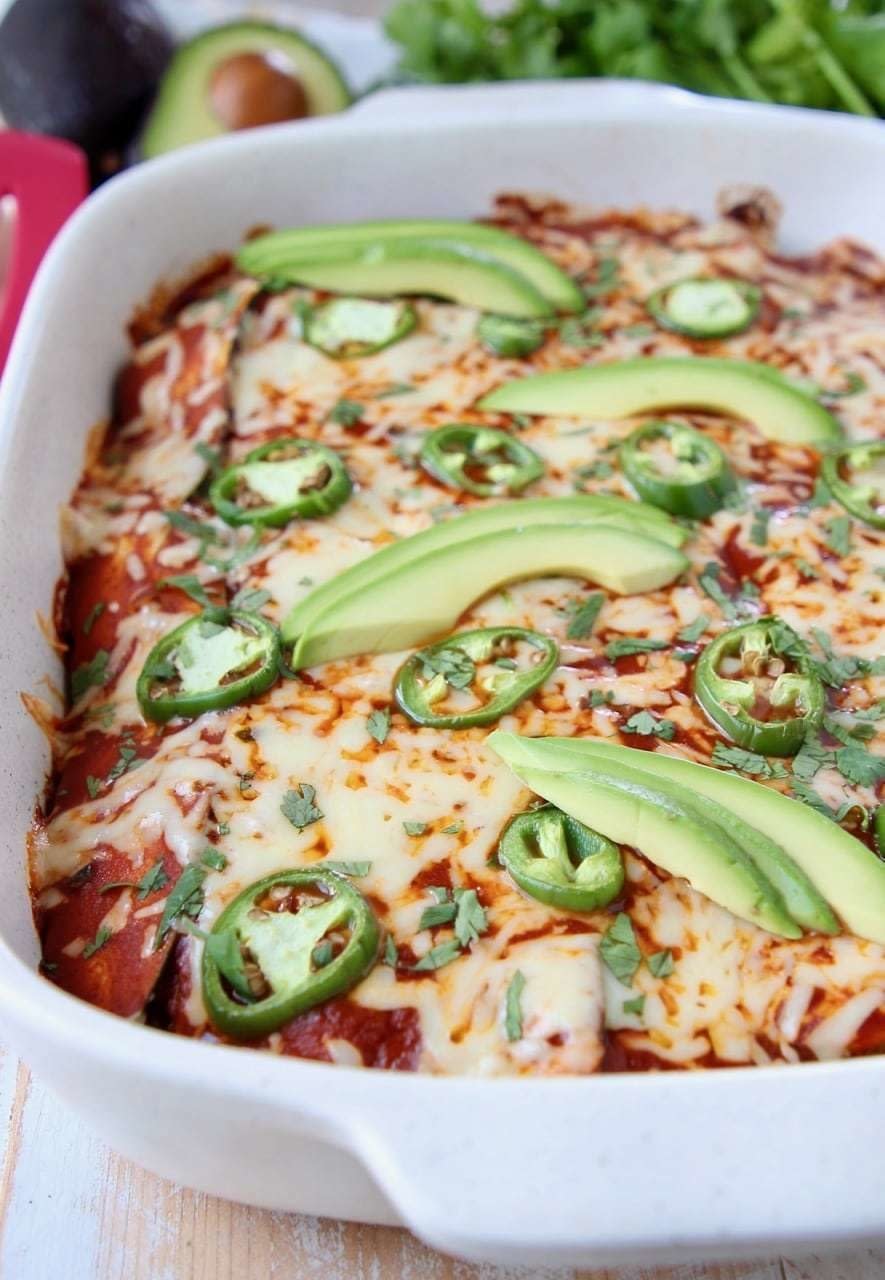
809	53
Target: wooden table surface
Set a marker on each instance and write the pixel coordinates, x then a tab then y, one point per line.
70	1209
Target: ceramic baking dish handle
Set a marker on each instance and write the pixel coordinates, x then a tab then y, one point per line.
46	179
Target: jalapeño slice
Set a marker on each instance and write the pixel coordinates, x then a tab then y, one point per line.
677	469
278	481
559	861
705	308
762	699
208	665
856	478
436	686
350	328
480	460
285	944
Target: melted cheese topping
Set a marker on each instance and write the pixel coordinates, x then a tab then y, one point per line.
229	377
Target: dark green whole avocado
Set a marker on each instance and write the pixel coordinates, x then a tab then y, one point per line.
239	76
84	70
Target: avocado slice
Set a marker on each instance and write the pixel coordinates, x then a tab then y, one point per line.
237	76
629	808
268	255
845	872
581	509
803	902
442	268
741	388
425	598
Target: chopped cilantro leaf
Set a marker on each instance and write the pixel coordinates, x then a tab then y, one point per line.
90	675
839	535
636	1005
395	389
808	796
858	765
298	806
93	786
746	761
346	868
390	952
378	725
584	617
629	645
453	829
346	413
619	951
643	722
471	920
102	936
93	616
694	630
455	666
190	584
811	757
439	913
250	599
414	828
759	527
154	879
442	954
661	964
186	899
513	1007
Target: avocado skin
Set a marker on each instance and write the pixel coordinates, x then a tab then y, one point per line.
580	509
847	875
679	779
628	807
84	70
425	598
182	113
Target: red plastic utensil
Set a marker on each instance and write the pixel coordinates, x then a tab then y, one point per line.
47	179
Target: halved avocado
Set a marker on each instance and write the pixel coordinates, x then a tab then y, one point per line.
845	872
425	598
443	268
626	806
267	255
741	388
580	509
238	76
803	902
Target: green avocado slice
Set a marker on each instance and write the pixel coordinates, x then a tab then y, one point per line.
269	254
580	509
442	268
183	112
425	598
628	807
803	902
847	874
741	388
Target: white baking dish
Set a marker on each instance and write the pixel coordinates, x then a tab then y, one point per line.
578	1171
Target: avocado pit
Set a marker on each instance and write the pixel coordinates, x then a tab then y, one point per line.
250	89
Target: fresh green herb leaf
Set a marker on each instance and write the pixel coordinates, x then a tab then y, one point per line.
694	630
395	389
619	951
442	954
93	786
599	470
583	620
805	568
661	964
808	796
186	899
811	757
185	524
453	829
211	457
644	722
630	645
346	868
513	1007
154	879
439	913
607	279
636	1005
390	953
746	761
378	725
346	413
820	495
759	527
859	765
599	699
213	858
414	828
322	954
838	669
190	584
471	920
90	675
102	936
250	599
839	535
245	783
298	806
93	616
455	666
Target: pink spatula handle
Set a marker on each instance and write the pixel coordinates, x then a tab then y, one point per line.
47	179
